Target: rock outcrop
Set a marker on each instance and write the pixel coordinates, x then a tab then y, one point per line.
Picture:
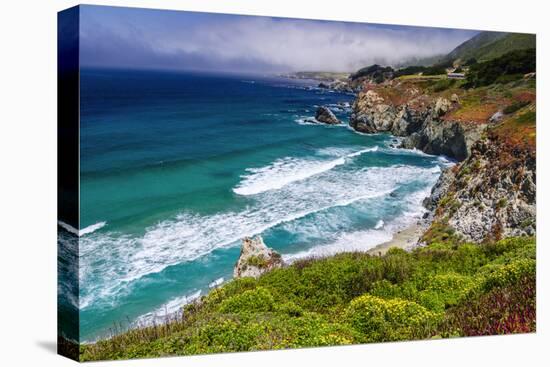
494	193
490	193
419	120
256	258
440	189
326	116
450	138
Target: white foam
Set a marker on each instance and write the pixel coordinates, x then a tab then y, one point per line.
365	240
68	227
287	170
347	242
282	172
90	229
308	120
167	311
216	283
356	154
312	121
110	262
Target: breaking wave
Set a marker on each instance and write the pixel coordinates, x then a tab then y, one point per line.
287	170
110	262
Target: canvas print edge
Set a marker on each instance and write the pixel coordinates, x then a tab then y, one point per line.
488	197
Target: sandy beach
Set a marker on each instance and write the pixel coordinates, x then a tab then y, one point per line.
402	239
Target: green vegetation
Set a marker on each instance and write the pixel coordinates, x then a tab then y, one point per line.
528	117
504	69
259	261
469	49
516	105
319	75
444	84
511	42
409	70
375	72
447	288
487	46
425	70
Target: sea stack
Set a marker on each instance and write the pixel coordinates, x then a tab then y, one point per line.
326	116
256	259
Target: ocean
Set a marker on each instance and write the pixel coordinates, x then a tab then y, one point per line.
176	168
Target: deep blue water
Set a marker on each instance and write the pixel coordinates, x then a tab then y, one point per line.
177	167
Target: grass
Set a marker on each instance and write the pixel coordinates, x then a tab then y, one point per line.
422	77
435	291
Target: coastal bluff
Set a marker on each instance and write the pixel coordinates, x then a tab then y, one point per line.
490	131
256	258
423	119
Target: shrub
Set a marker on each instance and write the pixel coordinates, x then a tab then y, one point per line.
376	72
290	309
396	265
446	288
409	70
470	61
527	117
503	310
503	275
502	69
388	320
443	84
439	231
498	248
256	300
259	261
435	70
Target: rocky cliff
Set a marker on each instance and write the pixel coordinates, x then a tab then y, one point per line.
492	194
491	131
256	258
419	117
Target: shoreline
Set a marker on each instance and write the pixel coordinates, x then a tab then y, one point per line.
405	239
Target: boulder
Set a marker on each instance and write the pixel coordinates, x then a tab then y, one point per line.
256	258
496	117
326	116
442	105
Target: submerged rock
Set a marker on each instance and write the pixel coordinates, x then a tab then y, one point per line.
325	115
256	258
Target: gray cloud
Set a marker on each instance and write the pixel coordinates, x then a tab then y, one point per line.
257	44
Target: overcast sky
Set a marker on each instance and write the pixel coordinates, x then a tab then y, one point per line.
159	39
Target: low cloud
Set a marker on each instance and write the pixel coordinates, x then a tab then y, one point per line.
255	44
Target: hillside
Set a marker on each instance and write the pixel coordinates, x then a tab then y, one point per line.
471	47
490	129
511	42
445	289
489	45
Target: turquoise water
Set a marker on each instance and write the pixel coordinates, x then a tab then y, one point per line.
176	168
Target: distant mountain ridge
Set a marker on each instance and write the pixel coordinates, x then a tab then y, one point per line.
470	48
486	46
